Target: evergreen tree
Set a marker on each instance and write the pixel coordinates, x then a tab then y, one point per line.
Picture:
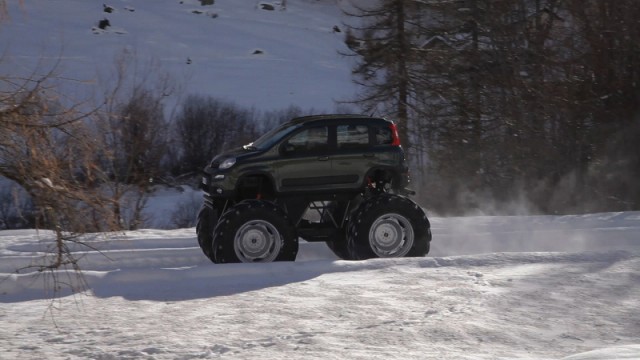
384	39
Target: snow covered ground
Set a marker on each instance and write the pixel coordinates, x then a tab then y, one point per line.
524	287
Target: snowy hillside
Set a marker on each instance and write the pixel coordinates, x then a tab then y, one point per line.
237	50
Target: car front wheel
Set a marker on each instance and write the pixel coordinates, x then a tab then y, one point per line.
207	219
254	231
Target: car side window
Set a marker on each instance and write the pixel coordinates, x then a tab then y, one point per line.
352	136
315	139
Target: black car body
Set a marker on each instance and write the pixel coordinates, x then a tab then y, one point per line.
337	153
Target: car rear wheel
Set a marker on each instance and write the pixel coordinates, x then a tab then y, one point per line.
339	246
388	226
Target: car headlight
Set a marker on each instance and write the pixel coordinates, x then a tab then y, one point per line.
228	163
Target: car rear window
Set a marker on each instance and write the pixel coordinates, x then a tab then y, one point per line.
383	135
352	136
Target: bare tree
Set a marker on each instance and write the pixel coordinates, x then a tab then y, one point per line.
44	148
16	207
132	132
206	126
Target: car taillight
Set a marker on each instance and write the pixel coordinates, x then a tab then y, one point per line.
395	138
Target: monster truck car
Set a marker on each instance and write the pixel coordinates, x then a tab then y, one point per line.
340	179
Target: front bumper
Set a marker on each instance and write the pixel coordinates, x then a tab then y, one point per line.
217	184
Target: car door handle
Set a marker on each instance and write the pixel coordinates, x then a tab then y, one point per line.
323	158
369	155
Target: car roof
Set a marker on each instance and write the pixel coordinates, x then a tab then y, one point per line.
328	117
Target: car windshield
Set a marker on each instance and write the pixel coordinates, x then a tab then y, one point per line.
271	137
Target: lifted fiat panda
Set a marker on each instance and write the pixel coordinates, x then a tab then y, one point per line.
339	179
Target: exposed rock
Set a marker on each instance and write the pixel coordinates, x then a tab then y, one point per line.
265	6
104	23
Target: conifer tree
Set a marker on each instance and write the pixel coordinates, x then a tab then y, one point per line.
384	39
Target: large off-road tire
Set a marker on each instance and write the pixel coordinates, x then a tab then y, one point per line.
338	242
207	219
339	246
388	225
254	231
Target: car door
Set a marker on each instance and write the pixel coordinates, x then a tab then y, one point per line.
353	156
304	162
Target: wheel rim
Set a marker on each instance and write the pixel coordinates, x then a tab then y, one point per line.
391	235
257	240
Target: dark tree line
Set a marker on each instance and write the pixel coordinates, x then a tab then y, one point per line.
207	126
506	100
